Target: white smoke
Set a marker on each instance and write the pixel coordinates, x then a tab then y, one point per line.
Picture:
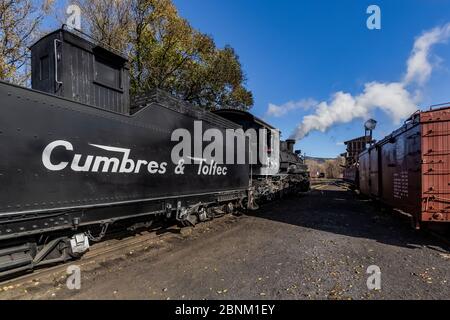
279	111
393	98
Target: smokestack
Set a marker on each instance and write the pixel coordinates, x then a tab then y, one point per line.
290	145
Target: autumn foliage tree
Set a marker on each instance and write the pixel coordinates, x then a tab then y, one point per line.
107	21
19	23
332	168
166	52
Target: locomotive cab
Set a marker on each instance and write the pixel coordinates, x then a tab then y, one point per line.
264	144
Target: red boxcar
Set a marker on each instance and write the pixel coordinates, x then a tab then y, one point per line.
410	169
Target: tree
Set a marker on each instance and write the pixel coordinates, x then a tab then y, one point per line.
333	168
108	21
217	81
19	23
165	52
314	167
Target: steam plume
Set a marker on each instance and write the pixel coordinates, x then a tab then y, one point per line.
393	98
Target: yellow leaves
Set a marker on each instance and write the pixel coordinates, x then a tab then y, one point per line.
222	291
47	5
7	71
19	21
109	21
3	70
166	52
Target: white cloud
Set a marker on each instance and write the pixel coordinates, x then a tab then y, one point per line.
419	67
396	99
279	111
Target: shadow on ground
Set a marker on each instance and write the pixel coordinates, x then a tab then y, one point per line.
343	212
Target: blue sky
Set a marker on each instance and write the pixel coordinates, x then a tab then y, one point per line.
311	49
293	50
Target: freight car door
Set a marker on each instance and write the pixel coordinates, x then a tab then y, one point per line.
374	179
413	164
388	164
403	197
364	176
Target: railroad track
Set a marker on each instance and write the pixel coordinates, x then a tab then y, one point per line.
98	251
108	250
321	184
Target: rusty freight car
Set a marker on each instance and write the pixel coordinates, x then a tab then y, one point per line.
410	169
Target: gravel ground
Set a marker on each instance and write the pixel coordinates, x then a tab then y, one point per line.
316	246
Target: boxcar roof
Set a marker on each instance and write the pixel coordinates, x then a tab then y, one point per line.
83	40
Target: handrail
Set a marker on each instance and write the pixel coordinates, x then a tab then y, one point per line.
439	105
411	117
55	43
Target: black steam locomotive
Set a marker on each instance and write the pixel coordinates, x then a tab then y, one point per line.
78	154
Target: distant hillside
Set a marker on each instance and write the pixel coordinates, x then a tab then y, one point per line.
319	160
330	167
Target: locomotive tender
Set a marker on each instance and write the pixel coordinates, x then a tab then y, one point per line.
78	154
